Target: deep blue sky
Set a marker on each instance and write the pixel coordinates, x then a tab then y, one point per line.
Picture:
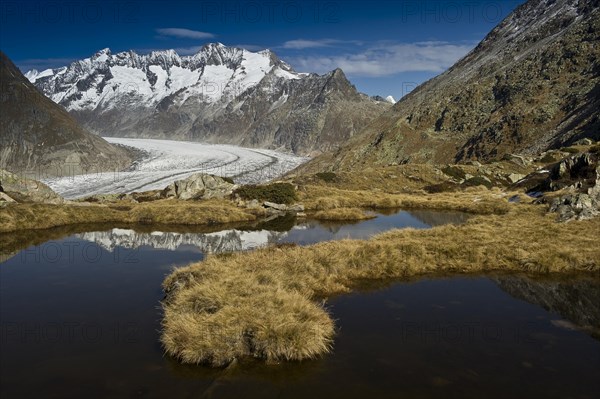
385	47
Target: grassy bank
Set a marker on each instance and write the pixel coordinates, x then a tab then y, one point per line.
476	200
322	202
42	216
264	304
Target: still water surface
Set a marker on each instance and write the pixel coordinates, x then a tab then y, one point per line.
80	317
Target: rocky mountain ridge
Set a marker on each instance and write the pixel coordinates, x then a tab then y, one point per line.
219	95
532	84
222	241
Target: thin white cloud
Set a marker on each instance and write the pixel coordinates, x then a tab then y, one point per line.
185	33
385	59
301	44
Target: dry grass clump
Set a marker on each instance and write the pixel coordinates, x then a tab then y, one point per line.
407	178
43	216
343	214
237	305
474	200
216	320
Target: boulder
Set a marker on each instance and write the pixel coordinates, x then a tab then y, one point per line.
296	208
579	205
278	207
5	198
199	186
253	204
517	159
23	189
515	177
584	141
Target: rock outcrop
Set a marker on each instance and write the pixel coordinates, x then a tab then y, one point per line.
581	203
571	186
24	190
199	186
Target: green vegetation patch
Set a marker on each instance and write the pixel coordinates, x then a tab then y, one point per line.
280	193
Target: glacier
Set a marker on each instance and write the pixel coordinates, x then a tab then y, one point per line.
166	161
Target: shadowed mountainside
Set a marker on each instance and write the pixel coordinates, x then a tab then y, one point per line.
37	136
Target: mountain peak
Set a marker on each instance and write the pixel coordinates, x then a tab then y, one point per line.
102	55
220	94
216	45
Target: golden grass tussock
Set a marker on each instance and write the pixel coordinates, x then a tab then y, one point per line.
218	320
263	303
475	200
343	214
404	178
43	216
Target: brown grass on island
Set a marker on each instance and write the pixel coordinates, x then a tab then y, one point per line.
265	304
43	216
343	214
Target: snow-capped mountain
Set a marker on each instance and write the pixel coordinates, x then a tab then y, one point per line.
216	74
222	241
220	94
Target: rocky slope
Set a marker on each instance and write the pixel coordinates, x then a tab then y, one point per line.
577	300
532	84
39	137
220	95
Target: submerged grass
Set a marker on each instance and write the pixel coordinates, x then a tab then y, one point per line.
263	304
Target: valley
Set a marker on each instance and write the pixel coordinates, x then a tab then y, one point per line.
181	217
